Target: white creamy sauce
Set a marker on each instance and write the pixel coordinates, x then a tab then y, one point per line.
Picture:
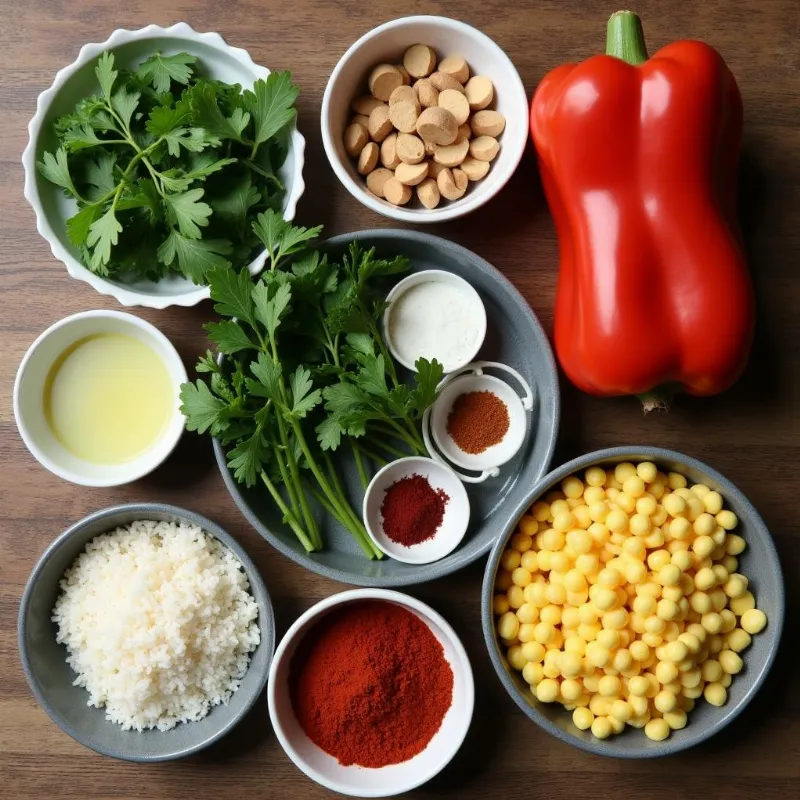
437	320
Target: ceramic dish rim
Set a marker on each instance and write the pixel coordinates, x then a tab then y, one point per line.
607	747
210	527
353	595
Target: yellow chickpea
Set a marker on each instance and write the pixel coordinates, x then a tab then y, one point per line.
753	621
743	603
533	673
617	521
595	476
533	651
516	596
528	525
510	560
633	486
500	604
726	519
572	487
527	613
521	542
680	528
655	538
508	626
583	719
716	694
738	640
674	504
734	545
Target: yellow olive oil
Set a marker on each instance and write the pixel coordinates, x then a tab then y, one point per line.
108	398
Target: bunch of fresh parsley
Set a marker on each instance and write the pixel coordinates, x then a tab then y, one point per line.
305	368
169	169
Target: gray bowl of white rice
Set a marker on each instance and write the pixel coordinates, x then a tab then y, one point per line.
146	632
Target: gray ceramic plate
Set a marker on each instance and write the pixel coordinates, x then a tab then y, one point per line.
45	665
759	563
514	337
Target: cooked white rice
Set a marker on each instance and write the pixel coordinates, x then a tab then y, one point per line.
158	622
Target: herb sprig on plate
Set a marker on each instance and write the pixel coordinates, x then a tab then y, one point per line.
169	169
306	369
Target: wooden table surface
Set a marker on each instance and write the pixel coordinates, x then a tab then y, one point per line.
751	433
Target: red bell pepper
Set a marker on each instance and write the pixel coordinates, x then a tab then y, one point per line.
638	159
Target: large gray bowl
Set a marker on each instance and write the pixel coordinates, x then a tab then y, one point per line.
514	337
759	562
50	678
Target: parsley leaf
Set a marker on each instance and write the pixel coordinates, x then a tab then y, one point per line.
229	337
269	310
81	137
196	257
329	433
103	235
281	238
79	224
268	375
206	165
207	114
56	170
100	176
201	408
207	363
303	399
106	74
427	378
232	294
125	103
247	458
186	210
160	70
271	105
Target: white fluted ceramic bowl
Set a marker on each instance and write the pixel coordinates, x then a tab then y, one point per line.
53	208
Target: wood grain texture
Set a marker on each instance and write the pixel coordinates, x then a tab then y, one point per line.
751	433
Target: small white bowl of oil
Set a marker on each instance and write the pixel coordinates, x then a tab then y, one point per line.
96	398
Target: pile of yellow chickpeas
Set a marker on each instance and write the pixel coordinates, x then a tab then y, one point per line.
619	597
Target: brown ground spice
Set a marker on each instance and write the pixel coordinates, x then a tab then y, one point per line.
477	421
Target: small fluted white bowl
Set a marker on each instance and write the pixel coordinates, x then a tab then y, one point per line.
71	84
387	43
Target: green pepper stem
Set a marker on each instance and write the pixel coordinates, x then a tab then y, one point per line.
625	38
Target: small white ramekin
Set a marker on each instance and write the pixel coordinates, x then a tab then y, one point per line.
29	398
76	81
356	781
441	276
387	43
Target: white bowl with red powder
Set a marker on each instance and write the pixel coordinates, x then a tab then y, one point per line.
373	675
416	510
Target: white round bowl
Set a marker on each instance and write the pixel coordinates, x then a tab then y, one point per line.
456	510
29	398
496	455
360	781
387	43
72	83
442	276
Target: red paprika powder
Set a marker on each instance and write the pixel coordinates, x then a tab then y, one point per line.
370	685
477	421
412	510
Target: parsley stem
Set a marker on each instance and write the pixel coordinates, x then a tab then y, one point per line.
362	473
342	506
294	486
391	449
287	513
373	456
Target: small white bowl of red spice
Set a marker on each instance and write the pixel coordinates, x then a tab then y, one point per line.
371	693
416	510
479	422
